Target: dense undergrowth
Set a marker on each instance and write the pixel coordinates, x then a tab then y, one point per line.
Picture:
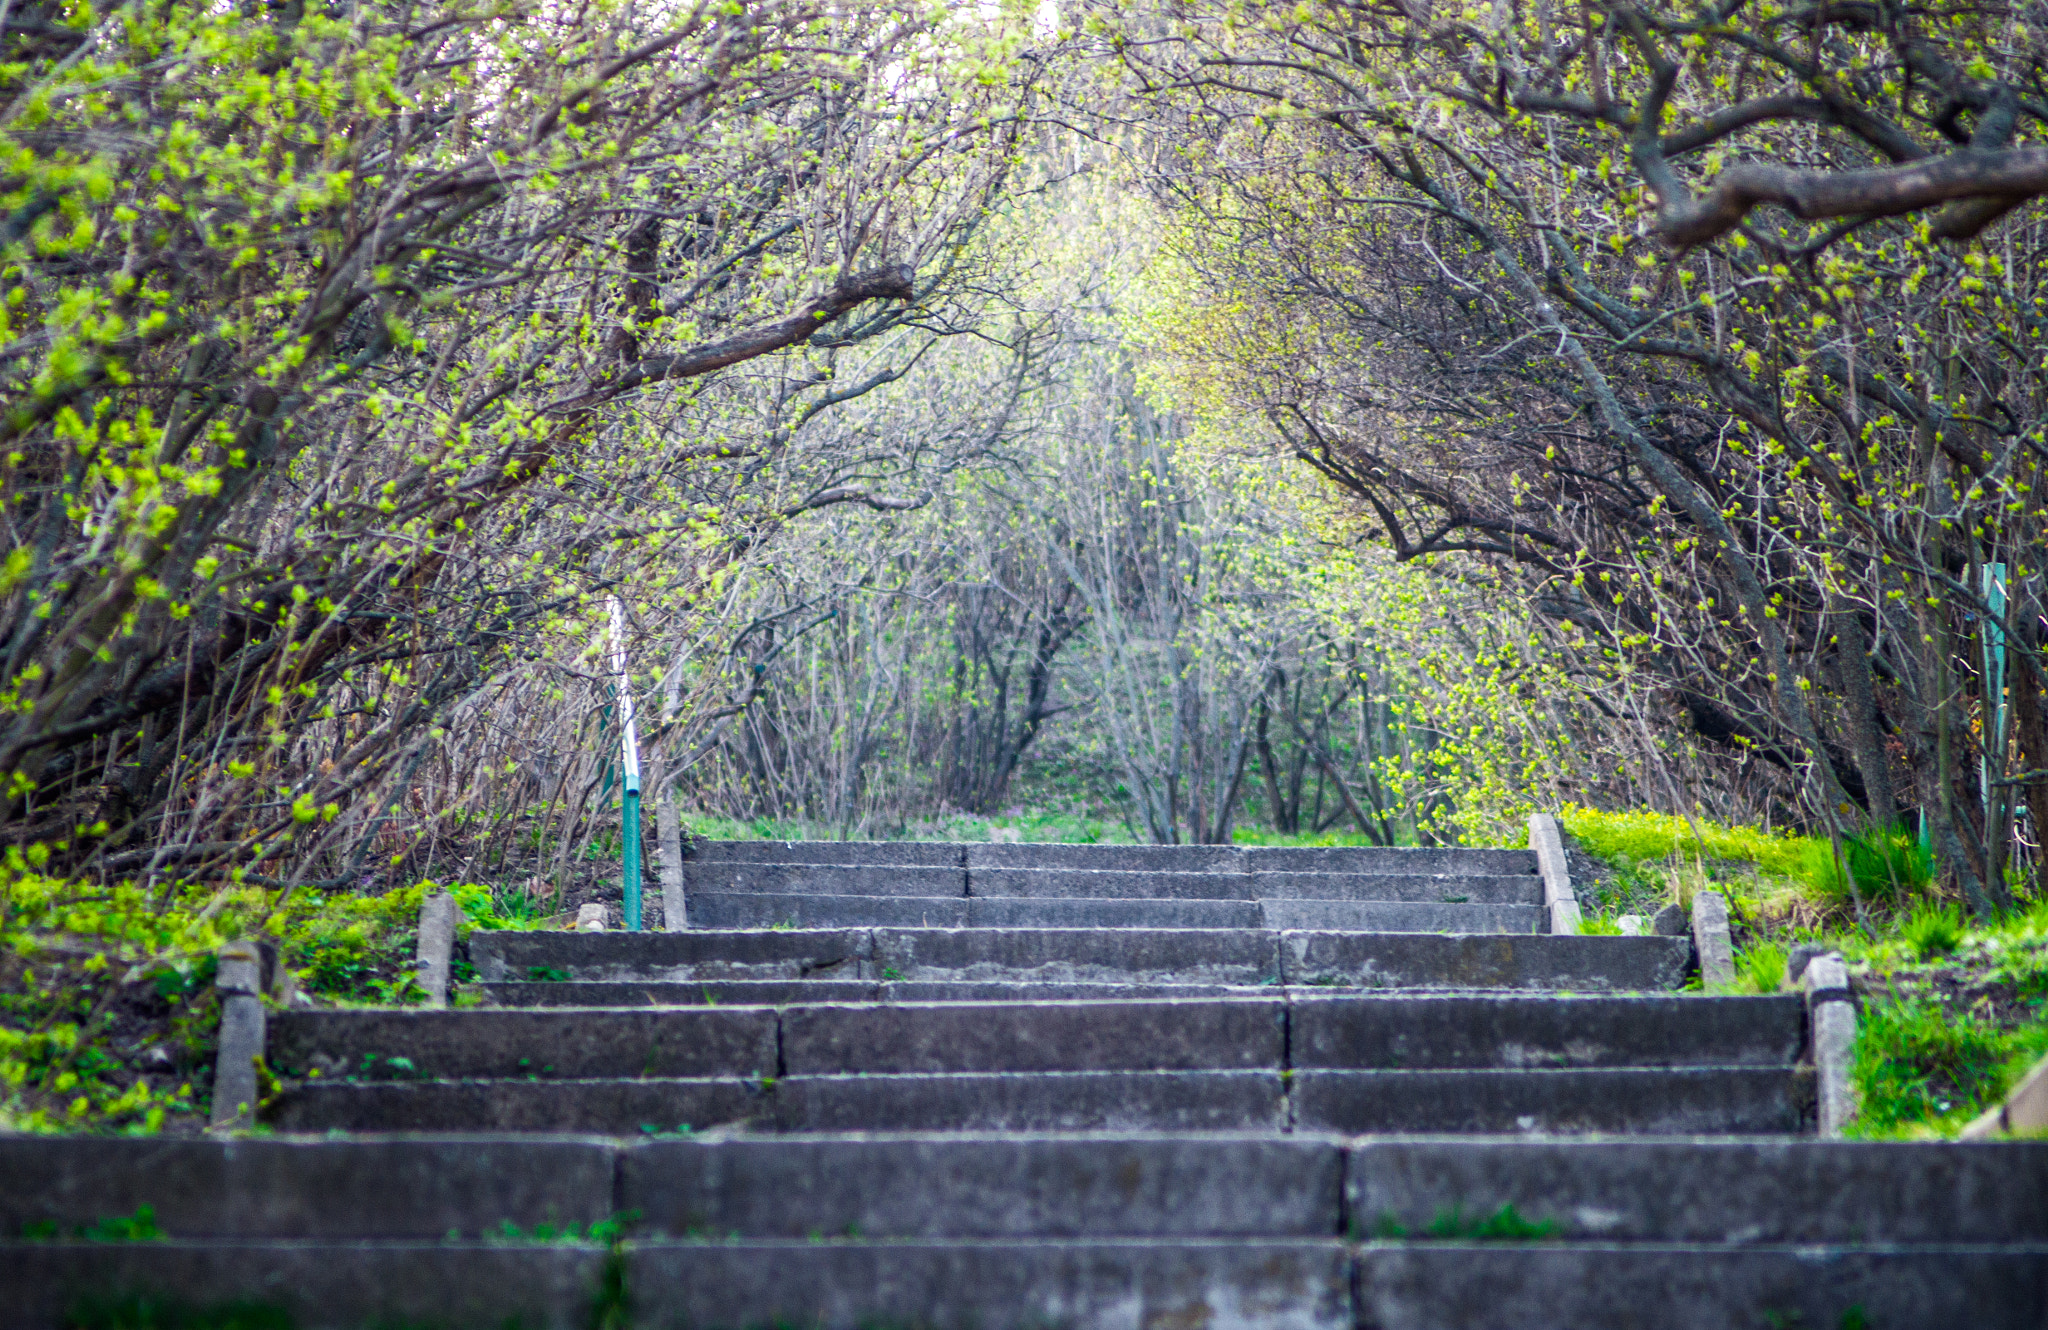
108	1012
1952	1012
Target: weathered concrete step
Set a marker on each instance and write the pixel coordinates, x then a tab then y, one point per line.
1447	1031
1549	1286
1544	960
1150	858
1721	1101
1722	1191
826	879
929	854
714	909
1372	859
938	1185
963	1185
1079	955
1005	1283
954	1101
1194	1034
423	1188
1400	916
1184	1033
1282	1284
764	953
1696	1100
319	1285
1436	888
1141	884
1253	859
786	992
406	1043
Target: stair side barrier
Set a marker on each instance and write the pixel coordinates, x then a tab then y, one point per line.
1831	1022
242	1032
1560	902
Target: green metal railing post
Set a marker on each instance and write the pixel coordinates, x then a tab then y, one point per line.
629	743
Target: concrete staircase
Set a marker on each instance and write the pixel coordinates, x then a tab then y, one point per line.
1028	1086
1069	987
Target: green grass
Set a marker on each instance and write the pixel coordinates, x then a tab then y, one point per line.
1923	1071
1644	837
1452	1224
1761	968
138	1227
1933	931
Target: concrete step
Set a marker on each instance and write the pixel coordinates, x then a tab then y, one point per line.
1006	1283
1541	961
317	1285
954	1101
1722	1191
923	854
1373	859
1722	1101
1545	1286
721	909
1252	859
765	953
411	1044
389	1189
1697	1100
772	910
1447	1031
1400	916
1083	912
1127	1284
1431	888
785	992
1113	884
956	1185
1232	957
937	1185
801	879
1144	858
824	879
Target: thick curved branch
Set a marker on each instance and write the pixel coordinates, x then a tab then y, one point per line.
894	281
2016	174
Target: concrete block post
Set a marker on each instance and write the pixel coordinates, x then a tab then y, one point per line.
240	982
437	946
669	837
1711	939
1560	902
1831	1023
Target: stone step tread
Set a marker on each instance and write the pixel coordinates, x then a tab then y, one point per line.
1698	1100
979	1184
1169	1033
1080	955
1108	884
770	909
784	992
840	1283
1197	858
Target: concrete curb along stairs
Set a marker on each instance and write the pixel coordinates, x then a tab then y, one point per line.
1109	1086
